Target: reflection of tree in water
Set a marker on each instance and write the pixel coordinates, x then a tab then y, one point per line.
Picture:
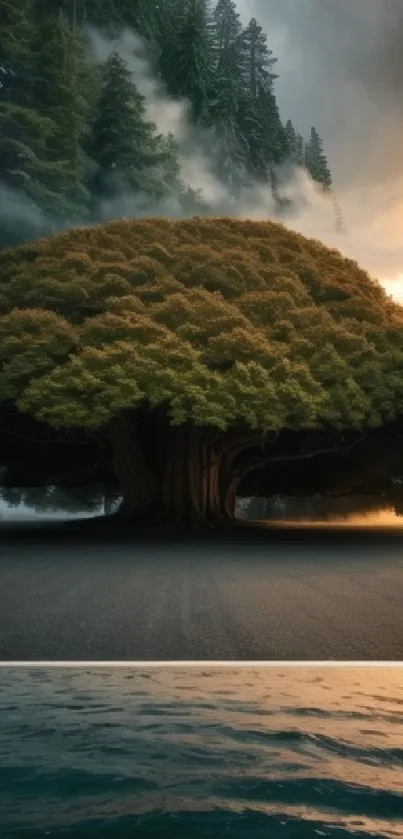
86	499
320	508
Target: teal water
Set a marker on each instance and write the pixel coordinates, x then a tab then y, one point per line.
254	753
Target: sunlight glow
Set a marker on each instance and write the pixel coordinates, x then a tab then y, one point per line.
381	518
394	287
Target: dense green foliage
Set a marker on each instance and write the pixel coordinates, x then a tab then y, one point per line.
219	322
74	135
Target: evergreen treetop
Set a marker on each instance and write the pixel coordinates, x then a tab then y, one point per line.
316	161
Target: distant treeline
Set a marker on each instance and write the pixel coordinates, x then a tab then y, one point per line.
75	135
320	508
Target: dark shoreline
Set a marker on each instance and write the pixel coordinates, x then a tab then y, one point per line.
111	529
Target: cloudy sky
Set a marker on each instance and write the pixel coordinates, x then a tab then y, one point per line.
341	68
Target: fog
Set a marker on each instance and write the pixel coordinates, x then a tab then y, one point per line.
341	68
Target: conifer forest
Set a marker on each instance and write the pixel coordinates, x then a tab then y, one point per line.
76	133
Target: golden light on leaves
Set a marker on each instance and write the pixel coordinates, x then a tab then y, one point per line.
222	321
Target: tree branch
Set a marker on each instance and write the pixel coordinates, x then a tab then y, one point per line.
260	463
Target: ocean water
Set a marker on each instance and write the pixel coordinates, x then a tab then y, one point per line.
248	753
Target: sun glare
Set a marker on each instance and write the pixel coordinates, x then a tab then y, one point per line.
379	518
395	287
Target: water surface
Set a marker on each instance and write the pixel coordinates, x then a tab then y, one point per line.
277	752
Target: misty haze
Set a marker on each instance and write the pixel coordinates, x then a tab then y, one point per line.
339	68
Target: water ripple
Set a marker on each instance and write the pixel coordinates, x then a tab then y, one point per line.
252	753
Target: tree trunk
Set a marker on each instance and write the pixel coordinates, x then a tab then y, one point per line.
137	482
190	477
183	475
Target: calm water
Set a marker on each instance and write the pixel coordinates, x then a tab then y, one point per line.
246	753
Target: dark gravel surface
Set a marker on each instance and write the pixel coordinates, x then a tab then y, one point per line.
70	593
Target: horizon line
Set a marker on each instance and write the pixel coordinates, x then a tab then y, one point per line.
197	664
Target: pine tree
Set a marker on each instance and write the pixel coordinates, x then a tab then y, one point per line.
318	167
16	32
27	175
295	144
267	141
316	161
112	15
291	135
232	149
168	164
273	138
63	90
228	26
127	152
258	115
28	179
300	150
187	52
257	60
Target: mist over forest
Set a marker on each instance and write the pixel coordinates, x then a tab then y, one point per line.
255	109
125	110
341	67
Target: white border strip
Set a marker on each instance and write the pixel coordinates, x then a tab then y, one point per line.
234	665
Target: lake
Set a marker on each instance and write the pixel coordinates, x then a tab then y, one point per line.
245	753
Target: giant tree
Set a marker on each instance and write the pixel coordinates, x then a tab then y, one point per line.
191	346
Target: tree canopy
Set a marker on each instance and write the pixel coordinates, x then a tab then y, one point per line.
224	322
231	332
